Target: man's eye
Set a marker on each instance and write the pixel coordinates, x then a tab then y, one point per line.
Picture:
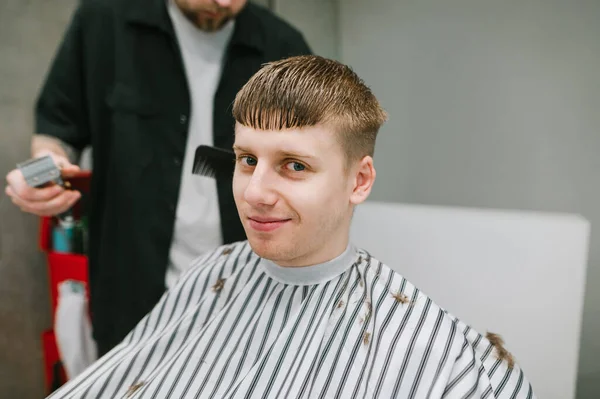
295	166
249	161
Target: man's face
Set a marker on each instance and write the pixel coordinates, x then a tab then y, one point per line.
295	193
210	15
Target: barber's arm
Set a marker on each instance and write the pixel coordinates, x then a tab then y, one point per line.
42	144
61	123
60	110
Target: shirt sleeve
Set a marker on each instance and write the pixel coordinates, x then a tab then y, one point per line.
485	370
60	110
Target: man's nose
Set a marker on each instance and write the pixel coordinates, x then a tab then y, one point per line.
260	189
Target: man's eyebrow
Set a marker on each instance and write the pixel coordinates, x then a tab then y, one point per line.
238	148
293	154
285	153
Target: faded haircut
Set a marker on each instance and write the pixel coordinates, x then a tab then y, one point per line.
310	90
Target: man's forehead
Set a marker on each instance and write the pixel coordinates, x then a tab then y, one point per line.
312	141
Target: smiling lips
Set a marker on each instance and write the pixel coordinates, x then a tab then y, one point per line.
266	224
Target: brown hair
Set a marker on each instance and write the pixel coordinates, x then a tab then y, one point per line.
310	90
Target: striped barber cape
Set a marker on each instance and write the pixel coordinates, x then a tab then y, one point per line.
239	326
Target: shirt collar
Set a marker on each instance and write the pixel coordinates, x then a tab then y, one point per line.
311	275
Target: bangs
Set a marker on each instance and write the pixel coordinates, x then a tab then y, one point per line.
276	113
307	91
281	100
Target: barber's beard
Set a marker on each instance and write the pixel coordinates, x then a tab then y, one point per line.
211	25
207	24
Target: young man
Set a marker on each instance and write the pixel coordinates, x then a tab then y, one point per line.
297	311
144	82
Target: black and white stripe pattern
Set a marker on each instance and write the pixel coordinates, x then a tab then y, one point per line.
229	330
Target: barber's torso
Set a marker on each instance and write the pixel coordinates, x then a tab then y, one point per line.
197	227
140	110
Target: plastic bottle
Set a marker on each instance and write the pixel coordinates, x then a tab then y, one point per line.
62	235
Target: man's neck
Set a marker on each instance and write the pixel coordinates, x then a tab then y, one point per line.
312	273
326	254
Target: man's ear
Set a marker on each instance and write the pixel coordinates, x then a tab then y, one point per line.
363	177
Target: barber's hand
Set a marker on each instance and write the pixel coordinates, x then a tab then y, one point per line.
46	201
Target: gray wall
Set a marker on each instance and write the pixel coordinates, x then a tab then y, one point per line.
317	19
492	104
29	32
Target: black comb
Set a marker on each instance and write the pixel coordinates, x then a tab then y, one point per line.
214	162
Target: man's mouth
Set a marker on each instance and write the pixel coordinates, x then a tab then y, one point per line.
266	224
211	13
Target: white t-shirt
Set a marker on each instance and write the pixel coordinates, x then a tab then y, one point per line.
197	220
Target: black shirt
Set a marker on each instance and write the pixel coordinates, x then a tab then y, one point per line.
117	83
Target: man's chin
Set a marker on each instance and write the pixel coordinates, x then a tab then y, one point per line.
211	24
266	247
